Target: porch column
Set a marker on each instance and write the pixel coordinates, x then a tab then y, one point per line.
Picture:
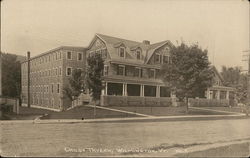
157	91
227	96
106	88
142	90
218	94
124	89
208	93
103	91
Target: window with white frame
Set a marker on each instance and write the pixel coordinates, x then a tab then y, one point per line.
52	88
106	70
69	55
69	71
138	54
151	73
52	102
104	53
157	58
166	59
79	56
137	72
121	70
122	52
60	71
58	88
60	55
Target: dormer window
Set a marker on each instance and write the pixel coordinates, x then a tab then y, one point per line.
104	53
166	59
138	54
167	49
122	52
157	58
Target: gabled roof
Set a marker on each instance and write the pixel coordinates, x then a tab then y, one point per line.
153	47
113	42
217	73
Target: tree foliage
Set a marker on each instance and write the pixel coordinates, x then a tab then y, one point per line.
94	77
11	75
189	73
234	78
76	85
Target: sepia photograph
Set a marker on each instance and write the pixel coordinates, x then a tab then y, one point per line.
125	78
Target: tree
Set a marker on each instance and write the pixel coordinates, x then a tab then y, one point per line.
234	78
94	77
11	75
231	75
76	85
189	73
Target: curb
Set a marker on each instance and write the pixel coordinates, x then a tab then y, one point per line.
143	119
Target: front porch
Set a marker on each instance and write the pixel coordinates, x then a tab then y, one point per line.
221	93
134	94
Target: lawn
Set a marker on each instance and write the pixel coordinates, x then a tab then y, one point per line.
26	113
232	109
86	113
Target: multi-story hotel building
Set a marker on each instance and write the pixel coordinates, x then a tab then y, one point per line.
49	73
131	70
131	74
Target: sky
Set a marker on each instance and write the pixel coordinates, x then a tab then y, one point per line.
220	26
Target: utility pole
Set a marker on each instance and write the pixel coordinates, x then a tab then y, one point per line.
248	82
0	73
28	101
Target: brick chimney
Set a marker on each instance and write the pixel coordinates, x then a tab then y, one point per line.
146	42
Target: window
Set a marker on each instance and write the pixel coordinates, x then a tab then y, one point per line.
106	70
60	55
121	70
49	57
52	88
122	52
138	54
52	102
60	71
56	55
69	55
79	56
137	72
56	72
151	73
58	88
157	58
69	71
104	53
166	59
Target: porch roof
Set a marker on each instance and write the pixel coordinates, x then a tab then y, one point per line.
222	88
133	80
